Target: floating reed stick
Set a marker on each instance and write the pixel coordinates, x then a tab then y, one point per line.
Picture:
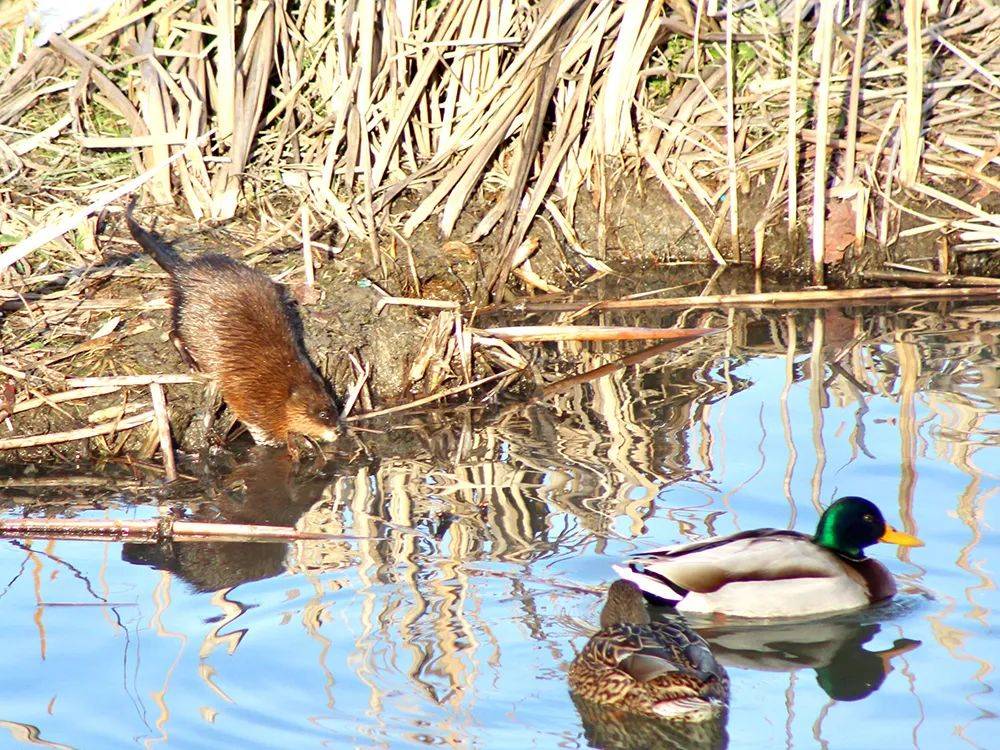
157	530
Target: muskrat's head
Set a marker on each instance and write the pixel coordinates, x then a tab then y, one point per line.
311	412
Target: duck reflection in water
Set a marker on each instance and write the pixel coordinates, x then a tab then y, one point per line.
845	669
260	490
639	683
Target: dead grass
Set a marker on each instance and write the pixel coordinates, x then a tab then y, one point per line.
533	105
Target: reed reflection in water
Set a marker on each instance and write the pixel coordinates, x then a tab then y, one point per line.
485	548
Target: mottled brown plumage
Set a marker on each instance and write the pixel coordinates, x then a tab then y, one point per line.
233	323
610	728
661	669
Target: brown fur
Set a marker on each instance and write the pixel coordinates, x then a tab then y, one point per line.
234	324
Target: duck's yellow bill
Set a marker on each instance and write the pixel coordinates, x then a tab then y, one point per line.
901	538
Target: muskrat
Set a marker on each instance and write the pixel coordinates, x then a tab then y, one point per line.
232	323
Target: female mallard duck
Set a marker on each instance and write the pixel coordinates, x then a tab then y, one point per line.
661	669
775	573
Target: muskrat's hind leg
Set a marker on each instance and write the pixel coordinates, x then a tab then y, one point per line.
218	432
205	431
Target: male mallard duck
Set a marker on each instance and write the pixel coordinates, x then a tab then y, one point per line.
775	573
661	669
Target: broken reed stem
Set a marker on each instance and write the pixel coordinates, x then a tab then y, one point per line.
307	254
910	142
564	384
793	128
132	380
734	212
593	333
51	438
928	277
158	529
438	304
770	299
354	391
433	397
56	398
159	397
850	150
824	40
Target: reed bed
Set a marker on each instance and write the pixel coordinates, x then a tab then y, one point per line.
379	116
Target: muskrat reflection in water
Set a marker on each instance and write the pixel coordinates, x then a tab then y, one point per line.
259	486
657	669
233	323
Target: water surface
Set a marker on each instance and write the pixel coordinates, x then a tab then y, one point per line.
484	550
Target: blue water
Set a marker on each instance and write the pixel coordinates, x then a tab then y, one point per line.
454	623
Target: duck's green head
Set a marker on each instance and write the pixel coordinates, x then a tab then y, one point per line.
625	605
852	523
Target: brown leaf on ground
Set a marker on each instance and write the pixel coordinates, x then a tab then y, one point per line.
979	193
7	396
839	230
305	294
458	249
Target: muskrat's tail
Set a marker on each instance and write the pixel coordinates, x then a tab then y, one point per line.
165	256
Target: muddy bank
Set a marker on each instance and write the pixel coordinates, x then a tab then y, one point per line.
111	317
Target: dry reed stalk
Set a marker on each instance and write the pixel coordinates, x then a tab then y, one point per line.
850	148
434	304
434	397
159	398
928	277
593	333
910	140
764	299
824	41
121	381
58	398
107	428
733	193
